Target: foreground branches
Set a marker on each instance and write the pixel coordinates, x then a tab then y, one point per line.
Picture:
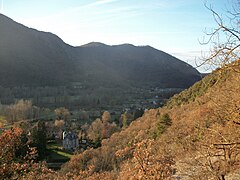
224	39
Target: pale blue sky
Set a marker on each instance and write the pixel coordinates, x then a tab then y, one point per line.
174	26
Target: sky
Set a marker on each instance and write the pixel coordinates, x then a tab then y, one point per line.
173	26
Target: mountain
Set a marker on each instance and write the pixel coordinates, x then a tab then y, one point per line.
138	65
33	58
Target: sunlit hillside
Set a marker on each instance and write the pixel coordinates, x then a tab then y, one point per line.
199	139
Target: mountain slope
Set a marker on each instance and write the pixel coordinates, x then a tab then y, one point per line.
202	142
143	65
33	58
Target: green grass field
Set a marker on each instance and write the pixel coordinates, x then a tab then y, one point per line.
55	153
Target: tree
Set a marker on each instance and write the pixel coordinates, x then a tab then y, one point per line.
62	113
138	113
9	141
106	117
146	163
39	141
164	121
17	158
94	131
21	110
218	153
225	38
83	115
125	119
59	123
101	128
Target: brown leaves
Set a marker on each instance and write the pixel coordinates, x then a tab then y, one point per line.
13	167
146	163
9	141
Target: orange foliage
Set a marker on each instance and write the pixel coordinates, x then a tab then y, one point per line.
9	141
13	167
147	163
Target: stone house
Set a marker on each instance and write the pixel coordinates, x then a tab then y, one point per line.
70	141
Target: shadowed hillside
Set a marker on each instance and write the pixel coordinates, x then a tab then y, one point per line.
136	65
32	58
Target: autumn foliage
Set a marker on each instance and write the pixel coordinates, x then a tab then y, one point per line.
193	139
14	164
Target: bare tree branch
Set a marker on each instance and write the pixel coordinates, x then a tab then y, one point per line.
224	39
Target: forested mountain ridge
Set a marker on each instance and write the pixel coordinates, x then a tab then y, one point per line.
37	58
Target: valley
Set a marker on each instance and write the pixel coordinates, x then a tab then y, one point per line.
78	96
94	77
119	112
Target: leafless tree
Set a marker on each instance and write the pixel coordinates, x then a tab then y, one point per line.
224	39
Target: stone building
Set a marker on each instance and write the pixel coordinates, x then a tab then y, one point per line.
70	141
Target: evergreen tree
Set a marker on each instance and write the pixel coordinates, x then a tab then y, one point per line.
39	139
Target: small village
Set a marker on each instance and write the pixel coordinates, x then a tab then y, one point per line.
64	132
